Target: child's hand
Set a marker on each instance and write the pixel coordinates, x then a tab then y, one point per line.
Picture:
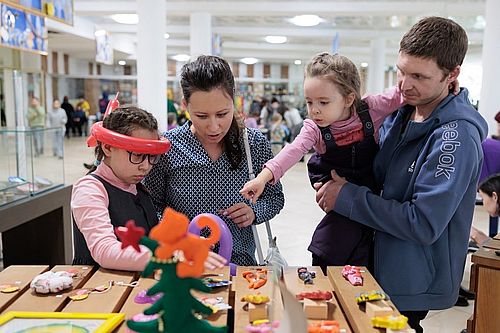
214	261
253	189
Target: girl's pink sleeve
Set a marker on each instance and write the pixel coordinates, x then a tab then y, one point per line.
89	205
293	152
384	104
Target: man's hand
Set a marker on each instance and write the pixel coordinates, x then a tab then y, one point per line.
326	194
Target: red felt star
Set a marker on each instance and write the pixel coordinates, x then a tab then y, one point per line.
130	234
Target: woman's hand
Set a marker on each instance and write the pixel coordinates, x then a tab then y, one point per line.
241	214
214	261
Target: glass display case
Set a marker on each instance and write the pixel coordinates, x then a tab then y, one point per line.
31	162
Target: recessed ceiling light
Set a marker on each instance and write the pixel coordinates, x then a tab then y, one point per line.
181	57
122	62
276	39
298	62
480	23
249	61
125	18
306	20
364	64
395	21
100	32
166	36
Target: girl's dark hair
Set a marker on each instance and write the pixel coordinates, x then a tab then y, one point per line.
490	185
207	73
124	120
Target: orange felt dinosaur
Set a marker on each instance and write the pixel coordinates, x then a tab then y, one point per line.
172	235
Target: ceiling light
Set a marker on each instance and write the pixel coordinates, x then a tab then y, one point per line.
166	36
181	57
297	62
276	39
306	20
480	23
100	32
395	21
122	62
364	64
125	18
249	61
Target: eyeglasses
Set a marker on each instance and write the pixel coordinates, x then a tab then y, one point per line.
138	158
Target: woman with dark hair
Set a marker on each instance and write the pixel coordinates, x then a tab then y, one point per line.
489	190
207	165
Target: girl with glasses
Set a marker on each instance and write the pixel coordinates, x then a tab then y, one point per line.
127	145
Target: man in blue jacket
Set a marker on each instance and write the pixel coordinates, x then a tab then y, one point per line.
428	166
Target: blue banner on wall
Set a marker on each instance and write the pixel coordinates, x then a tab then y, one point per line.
59	10
22	30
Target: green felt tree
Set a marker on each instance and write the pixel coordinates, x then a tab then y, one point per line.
177	306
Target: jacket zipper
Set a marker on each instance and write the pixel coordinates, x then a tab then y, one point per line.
353	158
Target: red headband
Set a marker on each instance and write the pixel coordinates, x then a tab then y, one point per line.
112	138
137	145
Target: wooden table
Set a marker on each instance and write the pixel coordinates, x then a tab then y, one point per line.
485	282
120	299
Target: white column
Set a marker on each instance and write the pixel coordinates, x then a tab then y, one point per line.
242	70
376	67
258	71
152	59
9	92
489	104
275	71
200	34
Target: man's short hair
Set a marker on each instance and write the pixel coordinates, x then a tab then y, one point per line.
436	38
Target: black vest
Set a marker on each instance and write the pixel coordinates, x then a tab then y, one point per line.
123	206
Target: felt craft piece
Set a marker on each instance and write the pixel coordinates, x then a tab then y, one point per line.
262	326
142	298
8	288
52	282
255	279
353	275
305	275
81	294
326	326
177	306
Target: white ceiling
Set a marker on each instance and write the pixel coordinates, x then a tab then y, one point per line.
243	25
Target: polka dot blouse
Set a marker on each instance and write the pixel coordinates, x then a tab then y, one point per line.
187	180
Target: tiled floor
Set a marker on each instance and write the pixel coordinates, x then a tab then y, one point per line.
294	227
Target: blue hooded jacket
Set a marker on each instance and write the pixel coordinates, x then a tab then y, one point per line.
429	172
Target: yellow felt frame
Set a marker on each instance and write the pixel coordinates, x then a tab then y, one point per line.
112	319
